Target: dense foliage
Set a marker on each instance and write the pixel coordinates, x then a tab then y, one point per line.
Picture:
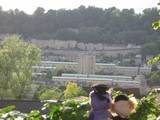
78	109
73	90
154	60
53	92
151	48
16	61
153	78
83	24
147	108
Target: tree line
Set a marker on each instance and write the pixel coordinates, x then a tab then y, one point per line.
83	24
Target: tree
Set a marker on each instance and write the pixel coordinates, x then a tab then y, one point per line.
53	94
83	24
16	61
59	70
72	90
39	11
155	74
48	92
156	25
150	48
153	78
154	60
154	68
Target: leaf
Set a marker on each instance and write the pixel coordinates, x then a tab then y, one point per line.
34	113
7	109
154	60
156	25
45	106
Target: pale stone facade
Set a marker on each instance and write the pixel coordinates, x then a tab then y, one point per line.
86	64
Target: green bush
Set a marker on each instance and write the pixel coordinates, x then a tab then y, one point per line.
147	108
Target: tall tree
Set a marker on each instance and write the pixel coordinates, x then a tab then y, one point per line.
39	11
16	61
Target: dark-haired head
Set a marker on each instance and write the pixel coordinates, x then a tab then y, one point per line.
100	90
121	97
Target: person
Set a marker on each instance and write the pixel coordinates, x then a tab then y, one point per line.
100	101
123	106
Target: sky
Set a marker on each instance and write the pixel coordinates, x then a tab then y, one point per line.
29	6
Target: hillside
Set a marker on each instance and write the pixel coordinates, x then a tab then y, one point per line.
88	25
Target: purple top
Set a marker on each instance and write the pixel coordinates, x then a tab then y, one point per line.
99	107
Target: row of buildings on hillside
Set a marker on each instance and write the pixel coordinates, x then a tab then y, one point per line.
89	66
88	72
72	44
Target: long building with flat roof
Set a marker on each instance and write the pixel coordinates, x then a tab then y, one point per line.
115	77
101	68
86	81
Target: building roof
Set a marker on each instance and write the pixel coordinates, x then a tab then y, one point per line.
96	76
55	62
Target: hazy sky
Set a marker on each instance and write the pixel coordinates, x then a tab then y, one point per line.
29	6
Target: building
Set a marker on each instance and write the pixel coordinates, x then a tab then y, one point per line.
138	60
86	64
124	82
85	67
